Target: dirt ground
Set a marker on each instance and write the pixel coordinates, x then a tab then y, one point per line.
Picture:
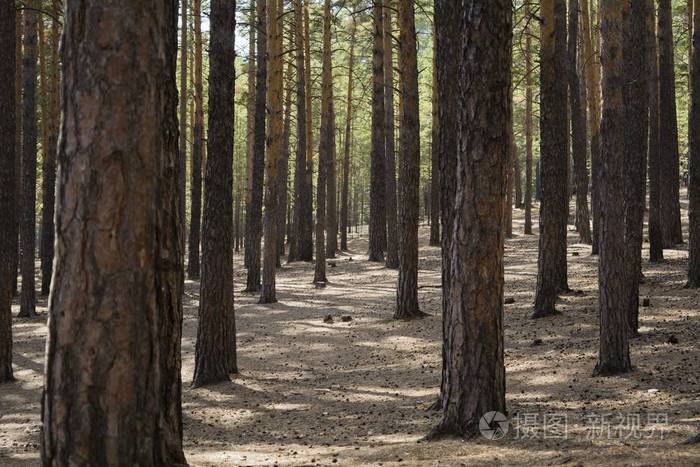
357	392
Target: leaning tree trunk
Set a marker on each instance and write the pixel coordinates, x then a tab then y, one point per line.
273	149
409	172
613	357
193	266
579	146
377	192
694	157
115	310
656	247
8	191
254	210
474	376
553	158
348	137
216	339
29	143
392	234
669	168
636	100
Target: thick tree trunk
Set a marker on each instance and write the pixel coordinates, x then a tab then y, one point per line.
474	377
613	357
392	233
29	146
115	316
273	152
325	149
579	146
193	268
377	191
8	191
553	158
669	168
409	167
528	127
344	226
636	101
19	27
215	347
656	243
694	156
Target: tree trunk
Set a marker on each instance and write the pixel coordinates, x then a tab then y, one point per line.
307	243
510	181
377	191
254	211
669	168
528	126
8	191
193	268
19	27
331	175
29	143
409	167
636	99
694	156
346	149
50	116
182	156
474	377
517	167
614	356
392	234
325	148
579	146
115	316
273	152
435	154
283	168
656	246
250	120
215	347
592	72
553	158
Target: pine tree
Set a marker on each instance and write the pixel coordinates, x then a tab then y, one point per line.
392	234
694	156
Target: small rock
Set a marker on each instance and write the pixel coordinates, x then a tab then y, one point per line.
646	303
652	391
346	318
537	342
575	253
328	319
509	301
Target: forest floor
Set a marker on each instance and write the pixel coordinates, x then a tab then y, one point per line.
350	393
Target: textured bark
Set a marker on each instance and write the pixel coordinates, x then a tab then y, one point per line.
182	146
273	149
377	191
8	191
517	167
392	233
510	181
283	165
193	267
435	155
307	243
656	248
551	270
579	147
113	350
528	128
215	347
29	146
474	377
613	357
669	168
344	225
636	101
50	120
325	149
694	156
409	167
254	210
592	73
331	174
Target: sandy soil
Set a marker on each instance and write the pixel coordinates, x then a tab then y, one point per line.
357	392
